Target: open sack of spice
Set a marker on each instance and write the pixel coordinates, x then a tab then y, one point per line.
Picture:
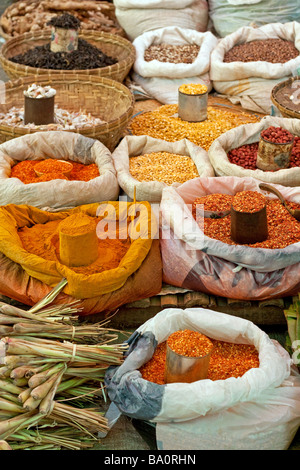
108	253
229	15
137	17
199	253
247	64
235	152
169	57
147	165
249	399
56	169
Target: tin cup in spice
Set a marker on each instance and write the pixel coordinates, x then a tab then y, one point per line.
249	217
274	149
192	102
39	105
64	33
187	356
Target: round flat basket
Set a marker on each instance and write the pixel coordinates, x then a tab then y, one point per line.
103	98
110	44
14	22
280	97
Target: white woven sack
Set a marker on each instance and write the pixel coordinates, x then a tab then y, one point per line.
268	396
250	84
161	80
174	36
137	16
247	134
57	194
228	16
132	146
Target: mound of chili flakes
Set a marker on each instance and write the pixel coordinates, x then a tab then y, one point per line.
283	228
24	171
227	360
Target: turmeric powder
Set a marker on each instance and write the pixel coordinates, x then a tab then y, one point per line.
43	240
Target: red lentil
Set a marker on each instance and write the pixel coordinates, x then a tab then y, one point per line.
227	360
283	228
189	343
248	201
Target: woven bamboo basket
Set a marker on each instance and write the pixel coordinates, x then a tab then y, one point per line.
108	9
111	44
104	98
285	111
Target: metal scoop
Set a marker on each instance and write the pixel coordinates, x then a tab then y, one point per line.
294	212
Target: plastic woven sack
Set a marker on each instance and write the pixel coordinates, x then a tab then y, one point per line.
137	16
132	146
229	15
250	84
192	260
57	194
186	408
50	273
162	79
248	134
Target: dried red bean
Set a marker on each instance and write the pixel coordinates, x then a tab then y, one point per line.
277	135
246	155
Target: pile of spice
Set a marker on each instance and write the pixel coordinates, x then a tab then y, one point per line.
193	89
246	155
283	228
25	171
275	51
226	360
164	167
248	201
164	123
25	16
214	202
43	240
180	54
86	57
189	343
63	119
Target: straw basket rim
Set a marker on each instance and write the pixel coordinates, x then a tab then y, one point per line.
120	69
94	131
283	109
7	36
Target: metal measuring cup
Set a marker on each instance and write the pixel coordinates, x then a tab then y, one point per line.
184	368
192	108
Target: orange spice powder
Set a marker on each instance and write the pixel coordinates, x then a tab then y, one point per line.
43	240
25	171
